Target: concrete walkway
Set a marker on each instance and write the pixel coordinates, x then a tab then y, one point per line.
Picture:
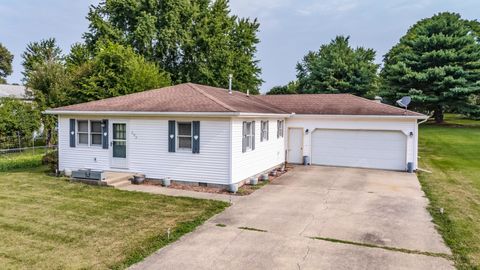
317	218
180	193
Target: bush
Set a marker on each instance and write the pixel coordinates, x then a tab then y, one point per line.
51	159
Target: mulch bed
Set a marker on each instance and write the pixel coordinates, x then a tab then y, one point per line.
243	190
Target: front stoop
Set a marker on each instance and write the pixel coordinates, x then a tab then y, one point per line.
118	179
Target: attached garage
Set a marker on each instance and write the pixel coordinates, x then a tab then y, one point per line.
376	149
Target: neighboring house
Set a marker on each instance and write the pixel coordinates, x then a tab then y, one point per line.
197	133
15	91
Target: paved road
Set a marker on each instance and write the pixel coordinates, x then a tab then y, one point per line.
317	218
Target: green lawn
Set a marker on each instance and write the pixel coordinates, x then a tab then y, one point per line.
51	223
452	152
26	159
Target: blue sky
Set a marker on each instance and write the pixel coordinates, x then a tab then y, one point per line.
289	28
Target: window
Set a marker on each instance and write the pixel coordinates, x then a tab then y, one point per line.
280	128
264	131
96	132
248	135
82	132
184	135
89	132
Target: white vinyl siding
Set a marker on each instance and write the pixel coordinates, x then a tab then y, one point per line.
266	155
147	147
405	126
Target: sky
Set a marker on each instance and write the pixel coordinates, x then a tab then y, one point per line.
288	28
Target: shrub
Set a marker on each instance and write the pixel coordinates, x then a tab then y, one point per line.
51	159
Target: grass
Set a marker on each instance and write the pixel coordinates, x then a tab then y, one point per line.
28	159
249	189
452	152
51	223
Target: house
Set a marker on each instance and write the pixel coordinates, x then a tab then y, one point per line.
202	134
20	92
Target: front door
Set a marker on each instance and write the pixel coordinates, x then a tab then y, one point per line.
295	145
119	145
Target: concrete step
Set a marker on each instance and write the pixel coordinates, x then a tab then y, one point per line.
120	183
118	178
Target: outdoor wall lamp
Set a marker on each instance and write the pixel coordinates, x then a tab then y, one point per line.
411	134
306	131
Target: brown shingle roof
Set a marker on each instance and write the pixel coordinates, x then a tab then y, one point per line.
189	97
333	104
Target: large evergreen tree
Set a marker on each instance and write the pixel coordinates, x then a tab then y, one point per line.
6	59
193	40
437	63
338	68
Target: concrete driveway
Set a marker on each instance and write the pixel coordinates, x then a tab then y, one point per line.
317	218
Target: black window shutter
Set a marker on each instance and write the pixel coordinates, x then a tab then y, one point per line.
278	129
105	134
72	132
253	135
268	129
196	137
171	136
244	137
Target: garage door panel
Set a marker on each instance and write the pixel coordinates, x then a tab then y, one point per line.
355	148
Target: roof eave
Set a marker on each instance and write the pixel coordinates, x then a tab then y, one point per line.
133	113
386	116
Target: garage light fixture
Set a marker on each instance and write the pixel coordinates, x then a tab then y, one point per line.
306	131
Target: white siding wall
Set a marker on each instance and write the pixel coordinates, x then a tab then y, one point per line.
80	156
266	154
311	123
147	148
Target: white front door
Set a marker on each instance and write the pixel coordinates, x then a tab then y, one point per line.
376	149
295	145
118	145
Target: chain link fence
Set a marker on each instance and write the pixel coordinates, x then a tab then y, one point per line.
22	143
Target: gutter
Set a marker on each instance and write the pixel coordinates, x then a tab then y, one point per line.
130	113
360	116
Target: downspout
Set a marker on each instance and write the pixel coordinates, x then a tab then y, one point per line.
416	144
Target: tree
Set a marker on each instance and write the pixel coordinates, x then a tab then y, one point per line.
18	118
6	59
114	70
46	76
193	40
437	63
290	88
40	52
338	68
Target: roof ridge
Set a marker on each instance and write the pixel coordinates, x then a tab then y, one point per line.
193	86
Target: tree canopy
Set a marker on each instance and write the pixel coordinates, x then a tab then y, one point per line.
290	88
338	68
18	118
6	59
193	40
113	70
437	63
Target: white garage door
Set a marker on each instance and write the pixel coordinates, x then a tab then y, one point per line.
364	149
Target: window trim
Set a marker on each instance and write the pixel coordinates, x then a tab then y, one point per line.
248	136
264	132
95	133
280	128
89	133
178	136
